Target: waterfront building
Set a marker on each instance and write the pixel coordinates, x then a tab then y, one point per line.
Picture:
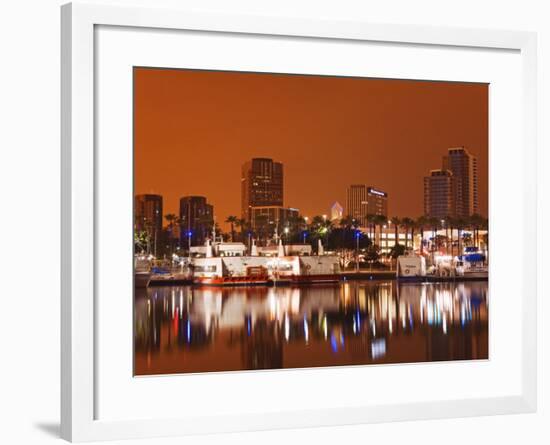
148	214
453	189
438	194
363	200
261	185
386	239
377	202
197	219
267	218
336	212
357	203
463	167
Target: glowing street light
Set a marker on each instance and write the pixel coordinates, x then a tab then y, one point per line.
357	236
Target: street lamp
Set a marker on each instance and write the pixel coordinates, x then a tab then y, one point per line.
286	234
189	233
446	240
357	238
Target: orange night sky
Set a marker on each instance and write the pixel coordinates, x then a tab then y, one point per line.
194	129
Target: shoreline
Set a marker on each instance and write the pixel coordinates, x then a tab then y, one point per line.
349	276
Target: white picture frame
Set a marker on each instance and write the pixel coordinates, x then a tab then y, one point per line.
79	420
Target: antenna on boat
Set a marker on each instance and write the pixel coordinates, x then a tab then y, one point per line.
320	249
214	231
281	249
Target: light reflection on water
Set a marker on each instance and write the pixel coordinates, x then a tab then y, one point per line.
187	329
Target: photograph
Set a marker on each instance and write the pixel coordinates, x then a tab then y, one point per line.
285	221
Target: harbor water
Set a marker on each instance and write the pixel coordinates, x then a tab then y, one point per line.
187	329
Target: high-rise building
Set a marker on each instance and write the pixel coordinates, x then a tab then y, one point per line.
148	218
357	203
463	166
336	211
377	202
261	185
438	194
148	213
197	219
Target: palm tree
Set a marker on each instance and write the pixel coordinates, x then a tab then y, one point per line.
231	219
460	223
434	224
178	222
408	224
476	223
347	222
371	219
396	222
171	219
261	226
379	220
241	224
421	223
450	223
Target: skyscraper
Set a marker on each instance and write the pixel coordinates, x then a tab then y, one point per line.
365	200
261	185
148	218
336	211
357	203
148	213
377	202
438	194
463	166
197	219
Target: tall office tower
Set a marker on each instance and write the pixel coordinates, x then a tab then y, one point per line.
377	202
261	185
336	211
148	213
463	166
439	194
357	205
197	219
148	218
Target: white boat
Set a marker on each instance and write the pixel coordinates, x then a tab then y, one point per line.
142	270
250	270
410	266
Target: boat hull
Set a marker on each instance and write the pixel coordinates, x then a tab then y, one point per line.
141	280
233	281
315	279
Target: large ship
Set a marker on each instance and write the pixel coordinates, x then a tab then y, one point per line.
230	264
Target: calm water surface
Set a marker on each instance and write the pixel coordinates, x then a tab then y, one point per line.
188	329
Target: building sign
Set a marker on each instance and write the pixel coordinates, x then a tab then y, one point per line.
377	192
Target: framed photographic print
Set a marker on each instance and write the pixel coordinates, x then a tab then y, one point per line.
292	222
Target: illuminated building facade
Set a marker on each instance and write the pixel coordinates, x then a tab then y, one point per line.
196	219
463	167
261	185
438	194
336	212
148	213
357	203
377	202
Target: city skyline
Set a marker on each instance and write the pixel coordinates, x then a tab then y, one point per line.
192	136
